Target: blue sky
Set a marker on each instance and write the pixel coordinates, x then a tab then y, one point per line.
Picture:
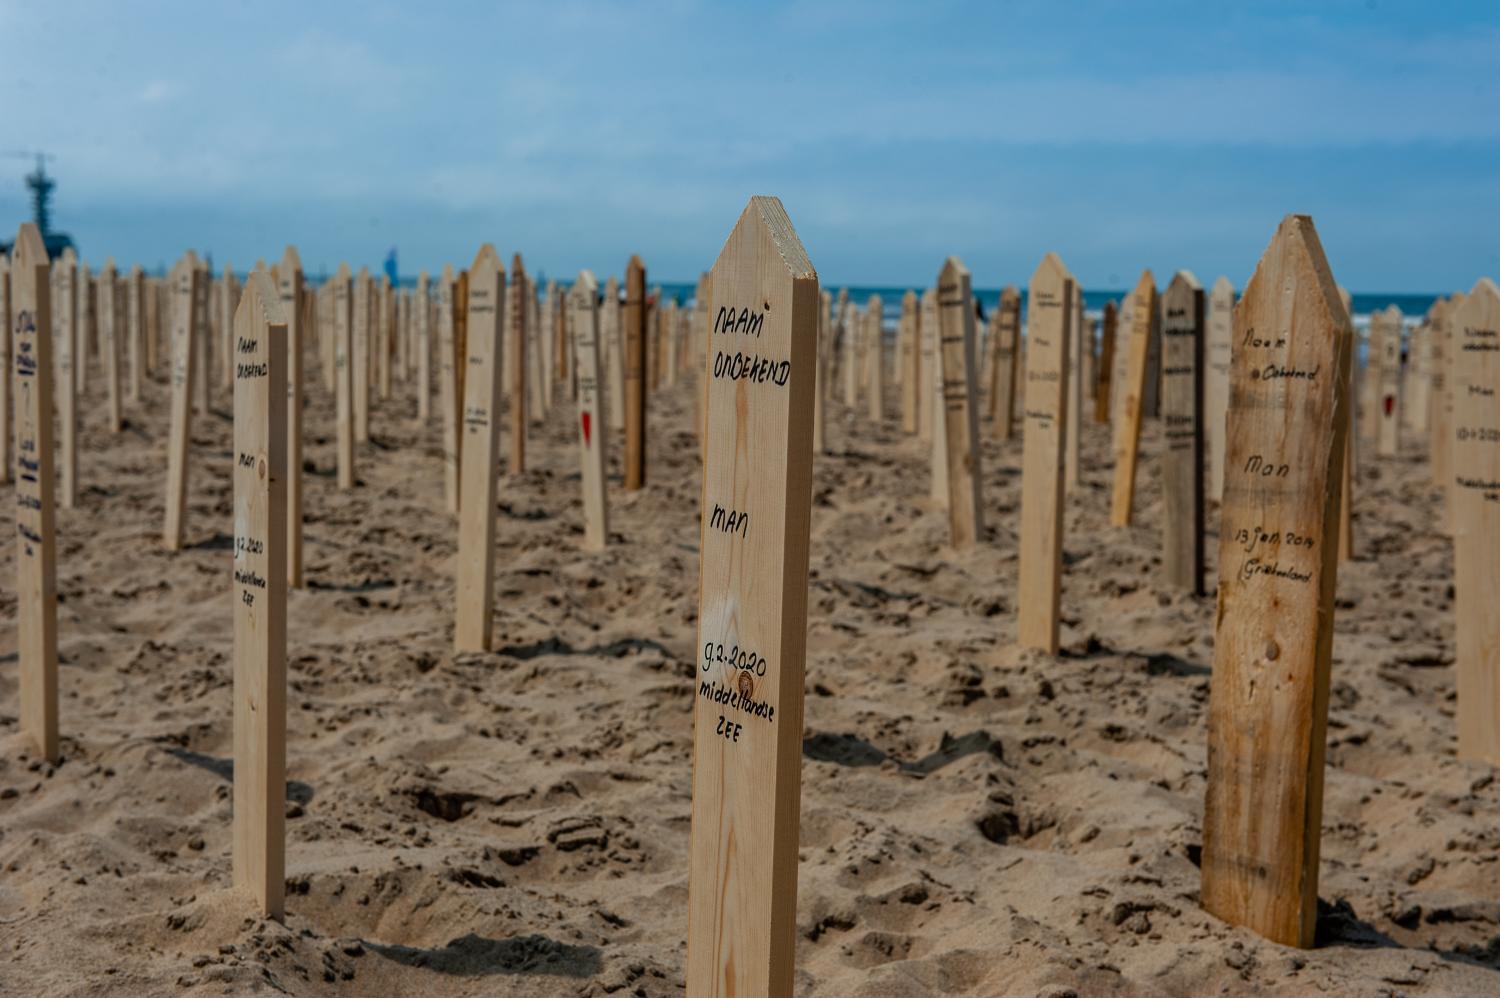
1121	135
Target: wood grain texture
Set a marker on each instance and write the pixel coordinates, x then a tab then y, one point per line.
911	361
1346	476
1182	419
1278	562
1104	377
359	358
959	404
927	377
1143	322
1475	441
1005	361
422	343
290	293
1048	316
475	589
583	300
752	612
344	372
875	357
518	339
65	382
633	322
186	280
1218	332
448	398
259	586
31	377
110	315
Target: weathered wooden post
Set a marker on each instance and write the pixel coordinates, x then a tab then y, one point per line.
65	339
136	298
186	280
752	630
6	318
290	294
422	320
1218	326
448	400
960	409
203	364
1182	419
228	299
822	372
520	348
344	371
911	362
1351	439
481	444
614	353
36	542
634	319
875	352
1385	341
110	314
584	302
359	357
1278	559
385	322
1048	315
1143	320
1104	379
1438	404
1476	519
1005	363
927	363
1075	394
260	572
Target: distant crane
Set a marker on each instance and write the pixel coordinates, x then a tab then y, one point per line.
41	187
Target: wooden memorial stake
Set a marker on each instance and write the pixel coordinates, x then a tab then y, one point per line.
1182	424
228	302
1076	382
614	354
1004	358
36	542
289	294
260	572
927	362
1385	340
1346	490
752	631
423	335
960	408
384	332
481	444
136	304
1048	315
1475	492
911	362
1278	559
1105	379
634	320
448	400
186	281
1438	420
201	314
584	302
110	315
359	358
344	371
536	394
519	350
1218	326
1143	320
669	323
875	358
65	338
821	374
6	314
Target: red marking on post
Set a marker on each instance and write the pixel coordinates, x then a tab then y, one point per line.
585	417
1390	403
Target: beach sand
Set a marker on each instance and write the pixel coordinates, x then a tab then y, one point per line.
976	820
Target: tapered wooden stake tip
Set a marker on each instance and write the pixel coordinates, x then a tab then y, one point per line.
1186	277
1484	288
953	268
768	214
1222	285
261	298
587	282
487	257
342	274
29	246
1296	239
1051	268
290	260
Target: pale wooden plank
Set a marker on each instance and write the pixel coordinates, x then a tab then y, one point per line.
1048	315
959	404
584	302
359	357
1218	331
1105	379
202	329
1075	395
821	374
290	294
65	340
1143	323
448	399
110	315
1346	486
481	452
186	282
757	497
1005	358
1475	488
344	372
422	319
259	328
1387	344
31	378
137	326
1182	418
911	362
1278	562
875	357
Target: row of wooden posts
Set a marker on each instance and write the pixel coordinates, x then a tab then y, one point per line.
1261	391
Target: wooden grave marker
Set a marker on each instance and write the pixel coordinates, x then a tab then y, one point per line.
1351	438
1143	320
752	640
927	362
203	362
584	302
960	406
110	313
520	348
1075	394
422	320
260	551
228	295
359	358
612	334
448	399
1475	491
31	379
65	339
536	392
186	281
6	315
1048	315
875	356
344	372
290	294
1439	401
1218	331
474	596
822	371
136	324
1182	425
1385	342
1105	376
634	322
1005	366
1278	561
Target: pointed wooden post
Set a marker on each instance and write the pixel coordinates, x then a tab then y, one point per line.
1278	561
848	347
1005	363
1151	394
911	361
927	350
634	321
1075	394
1386	341
187	287
260	571
65	339
422	319
1217	334
536	393
1143	320
448	399
384	334
1476	519
1346	488
110	314
1439	419
481	445
136	335
289	294
6	320
1048	317
228	299
960	409
822	372
752	630
201	328
584	302
517	361
1106	373
1182	419
612	334
359	358
344	371
36	543
875	352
